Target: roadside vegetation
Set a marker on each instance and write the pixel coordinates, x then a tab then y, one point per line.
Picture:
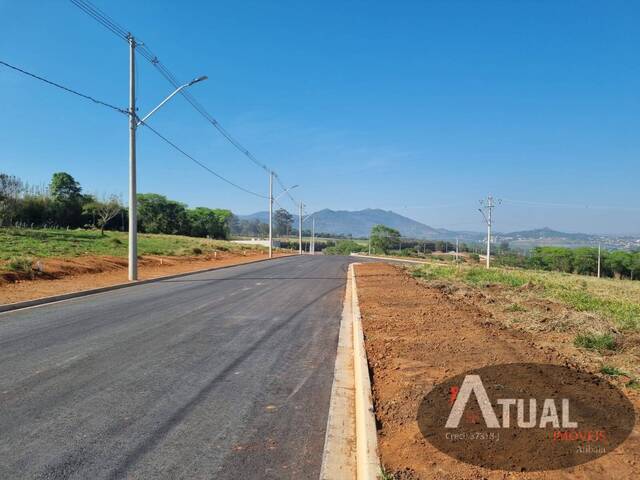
17	243
598	316
617	300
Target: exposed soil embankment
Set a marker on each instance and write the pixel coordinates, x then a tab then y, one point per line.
416	337
55	276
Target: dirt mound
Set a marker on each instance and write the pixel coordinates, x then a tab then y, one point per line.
417	337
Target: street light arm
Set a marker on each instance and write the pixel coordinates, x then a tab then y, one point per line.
176	91
285	191
485	217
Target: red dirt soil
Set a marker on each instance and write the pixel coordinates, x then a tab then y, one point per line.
83	273
417	336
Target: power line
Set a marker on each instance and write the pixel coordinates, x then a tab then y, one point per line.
144	50
176	147
67	89
101	18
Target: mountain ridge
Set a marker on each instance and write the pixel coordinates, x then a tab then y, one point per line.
358	223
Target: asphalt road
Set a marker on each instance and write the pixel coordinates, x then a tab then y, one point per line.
224	375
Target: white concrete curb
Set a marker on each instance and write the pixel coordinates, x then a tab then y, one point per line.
391	259
339	456
368	463
351	441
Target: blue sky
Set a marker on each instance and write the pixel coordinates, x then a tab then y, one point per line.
419	107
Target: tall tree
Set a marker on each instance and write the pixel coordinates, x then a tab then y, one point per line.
64	188
157	214
283	221
10	188
384	238
67	196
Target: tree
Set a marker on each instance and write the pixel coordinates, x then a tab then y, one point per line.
585	260
157	214
618	263
10	188
107	210
68	200
283	222
63	187
384	238
207	222
552	258
634	264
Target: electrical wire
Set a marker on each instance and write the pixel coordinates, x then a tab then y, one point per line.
196	161
101	18
67	89
144	50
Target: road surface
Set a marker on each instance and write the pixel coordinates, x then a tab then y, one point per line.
224	375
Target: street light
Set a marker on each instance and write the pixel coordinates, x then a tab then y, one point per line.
134	122
177	90
271	200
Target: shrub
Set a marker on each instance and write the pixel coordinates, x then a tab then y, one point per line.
611	370
196	251
20	264
593	341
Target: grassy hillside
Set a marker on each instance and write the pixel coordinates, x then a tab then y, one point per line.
44	243
598	316
616	300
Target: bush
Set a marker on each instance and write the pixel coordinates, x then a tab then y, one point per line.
196	251
345	247
20	264
611	370
594	341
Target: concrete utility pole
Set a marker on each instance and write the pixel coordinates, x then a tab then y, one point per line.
457	249
133	200
134	123
599	260
313	236
488	205
300	229
270	214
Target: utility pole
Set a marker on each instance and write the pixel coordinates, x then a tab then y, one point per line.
488	205
598	259
270	214
313	236
457	247
133	200
300	229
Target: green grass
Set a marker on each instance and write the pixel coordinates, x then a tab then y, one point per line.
17	245
634	383
514	307
611	371
474	276
626	314
593	341
617	300
19	264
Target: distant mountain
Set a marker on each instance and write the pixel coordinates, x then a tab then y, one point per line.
359	223
262	216
547	233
